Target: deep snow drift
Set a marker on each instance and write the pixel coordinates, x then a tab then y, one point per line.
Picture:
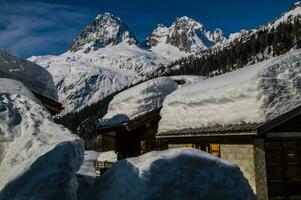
38	158
173	174
138	100
253	94
35	77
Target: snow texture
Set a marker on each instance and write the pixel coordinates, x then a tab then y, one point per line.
253	94
174	174
34	77
138	100
33	149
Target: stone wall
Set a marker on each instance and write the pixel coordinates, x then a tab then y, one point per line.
243	156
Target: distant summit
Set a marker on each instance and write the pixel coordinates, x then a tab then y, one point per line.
105	30
186	34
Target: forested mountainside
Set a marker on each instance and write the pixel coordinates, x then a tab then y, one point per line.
248	47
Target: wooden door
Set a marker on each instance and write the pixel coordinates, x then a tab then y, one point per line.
283	169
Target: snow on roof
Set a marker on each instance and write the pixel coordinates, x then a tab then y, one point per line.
174	174
35	78
253	94
138	100
10	86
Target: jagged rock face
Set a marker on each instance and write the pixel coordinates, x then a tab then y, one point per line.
157	36
186	34
105	30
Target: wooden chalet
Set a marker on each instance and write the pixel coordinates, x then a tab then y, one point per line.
269	154
131	138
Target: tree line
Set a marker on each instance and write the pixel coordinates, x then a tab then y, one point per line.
255	47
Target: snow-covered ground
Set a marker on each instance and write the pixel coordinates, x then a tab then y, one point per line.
173	174
253	94
38	158
138	100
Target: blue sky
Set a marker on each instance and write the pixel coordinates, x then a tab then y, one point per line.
40	27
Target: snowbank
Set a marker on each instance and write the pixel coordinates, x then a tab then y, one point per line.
138	100
174	174
253	94
35	150
36	78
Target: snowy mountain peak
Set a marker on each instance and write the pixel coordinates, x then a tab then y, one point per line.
185	34
104	31
159	35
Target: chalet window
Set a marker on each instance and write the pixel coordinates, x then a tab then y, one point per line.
215	150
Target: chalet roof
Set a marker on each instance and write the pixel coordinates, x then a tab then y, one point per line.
238	129
254	94
138	101
34	77
133	123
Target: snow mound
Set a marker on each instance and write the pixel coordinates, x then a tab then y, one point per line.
253	94
174	174
138	100
34	77
34	149
110	156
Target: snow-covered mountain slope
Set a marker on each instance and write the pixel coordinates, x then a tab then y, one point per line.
82	79
287	17
34	149
185	35
173	174
253	94
36	78
295	11
138	100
